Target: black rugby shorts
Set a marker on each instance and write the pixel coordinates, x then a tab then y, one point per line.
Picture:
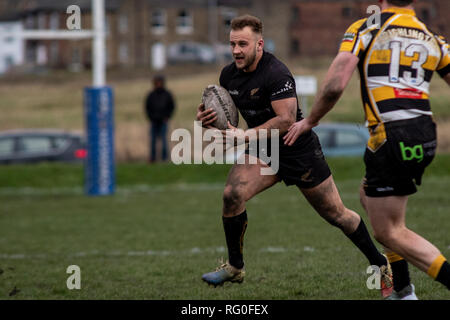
302	164
398	165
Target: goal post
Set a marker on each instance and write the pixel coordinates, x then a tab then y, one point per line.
99	170
99	167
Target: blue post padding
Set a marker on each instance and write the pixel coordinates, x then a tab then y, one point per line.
99	169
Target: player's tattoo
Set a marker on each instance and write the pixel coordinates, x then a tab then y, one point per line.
323	202
232	197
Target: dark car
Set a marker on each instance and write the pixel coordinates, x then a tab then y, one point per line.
31	146
342	139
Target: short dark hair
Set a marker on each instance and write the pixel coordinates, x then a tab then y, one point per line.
400	3
247	20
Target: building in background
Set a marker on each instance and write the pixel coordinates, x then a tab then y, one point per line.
153	33
317	26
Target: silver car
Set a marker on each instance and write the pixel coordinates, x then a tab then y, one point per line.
31	146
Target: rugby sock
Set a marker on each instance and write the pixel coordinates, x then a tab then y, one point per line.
440	271
234	233
361	238
400	271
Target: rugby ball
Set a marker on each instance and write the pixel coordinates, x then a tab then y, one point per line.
218	98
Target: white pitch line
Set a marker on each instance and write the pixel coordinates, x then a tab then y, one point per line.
161	253
121	190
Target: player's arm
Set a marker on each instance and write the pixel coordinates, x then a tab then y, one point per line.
447	79
286	112
336	80
443	68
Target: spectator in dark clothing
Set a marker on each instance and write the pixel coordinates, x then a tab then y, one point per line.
159	107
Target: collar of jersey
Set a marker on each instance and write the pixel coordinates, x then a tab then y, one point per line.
400	11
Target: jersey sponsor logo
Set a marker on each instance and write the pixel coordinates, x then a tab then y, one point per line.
233	92
349	37
410	153
408	93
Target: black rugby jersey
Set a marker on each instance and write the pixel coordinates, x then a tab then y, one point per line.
253	92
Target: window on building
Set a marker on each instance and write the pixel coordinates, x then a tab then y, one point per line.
185	22
30	53
54	52
123	53
9	62
54	21
295	15
295	46
347	12
30	22
42	21
76	56
159	21
228	15
107	26
123	23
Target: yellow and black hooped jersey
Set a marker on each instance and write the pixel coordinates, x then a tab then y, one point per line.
397	60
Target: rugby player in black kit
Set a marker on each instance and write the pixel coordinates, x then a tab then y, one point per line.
263	90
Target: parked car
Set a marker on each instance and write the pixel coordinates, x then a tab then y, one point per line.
342	139
190	52
31	146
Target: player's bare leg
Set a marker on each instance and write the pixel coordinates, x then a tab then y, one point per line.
403	288
326	200
244	182
387	215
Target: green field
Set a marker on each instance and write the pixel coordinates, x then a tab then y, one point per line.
162	229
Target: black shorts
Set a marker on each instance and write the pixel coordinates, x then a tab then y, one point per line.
409	148
302	164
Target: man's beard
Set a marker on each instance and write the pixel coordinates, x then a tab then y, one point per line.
248	61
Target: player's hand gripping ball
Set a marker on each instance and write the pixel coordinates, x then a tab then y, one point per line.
218	98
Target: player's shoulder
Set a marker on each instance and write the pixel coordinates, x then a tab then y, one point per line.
357	26
275	65
229	68
227	73
439	38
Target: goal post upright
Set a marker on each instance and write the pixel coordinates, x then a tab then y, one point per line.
99	170
99	167
98	23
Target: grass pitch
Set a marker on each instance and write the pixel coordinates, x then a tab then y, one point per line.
162	230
